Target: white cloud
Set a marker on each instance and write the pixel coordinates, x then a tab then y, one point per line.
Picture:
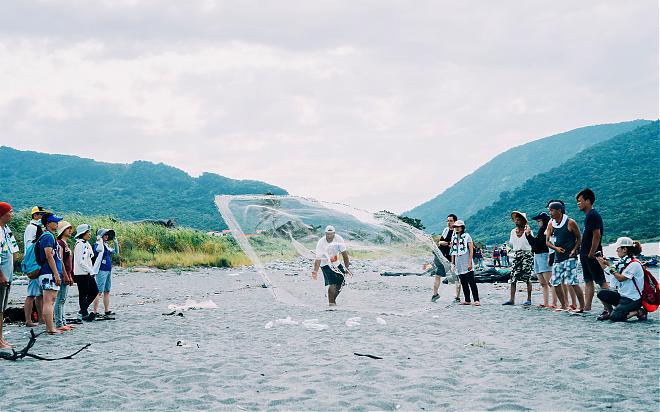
359	102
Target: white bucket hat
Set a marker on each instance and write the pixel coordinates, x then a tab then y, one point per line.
81	229
624	242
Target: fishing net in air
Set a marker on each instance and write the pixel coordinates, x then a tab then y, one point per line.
392	262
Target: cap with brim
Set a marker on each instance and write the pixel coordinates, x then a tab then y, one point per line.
542	216
53	218
516	213
38	209
459	223
556	206
62	226
624	242
82	229
329	229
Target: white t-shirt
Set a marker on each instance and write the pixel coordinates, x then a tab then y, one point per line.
329	252
30	234
519	243
627	287
460	244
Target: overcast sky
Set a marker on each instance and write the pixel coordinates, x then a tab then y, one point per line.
379	104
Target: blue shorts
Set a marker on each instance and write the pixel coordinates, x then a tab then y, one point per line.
104	281
34	288
541	263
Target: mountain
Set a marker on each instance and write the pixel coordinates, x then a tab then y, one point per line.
622	171
136	191
509	170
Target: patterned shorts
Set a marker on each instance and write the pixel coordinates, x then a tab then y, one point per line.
47	282
523	265
565	272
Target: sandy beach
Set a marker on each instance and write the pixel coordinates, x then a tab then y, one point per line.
256	352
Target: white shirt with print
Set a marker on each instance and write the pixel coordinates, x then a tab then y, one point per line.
329	252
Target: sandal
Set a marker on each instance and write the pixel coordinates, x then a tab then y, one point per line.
466	303
572	307
477	303
542	306
604	316
508	303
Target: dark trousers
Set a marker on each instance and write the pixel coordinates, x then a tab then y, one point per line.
622	305
87	291
468	282
496	262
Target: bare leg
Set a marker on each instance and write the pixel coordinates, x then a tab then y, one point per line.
588	294
49	303
96	303
580	295
332	294
545	286
3	343
571	292
39	301
458	289
560	295
27	308
436	285
529	291
512	293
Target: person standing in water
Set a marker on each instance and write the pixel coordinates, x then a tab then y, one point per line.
328	250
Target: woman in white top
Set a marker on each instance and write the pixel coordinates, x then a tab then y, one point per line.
628	278
462	252
83	272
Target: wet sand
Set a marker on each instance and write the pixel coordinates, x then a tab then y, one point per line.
254	352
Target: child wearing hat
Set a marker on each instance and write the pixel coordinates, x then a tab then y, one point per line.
8	247
64	230
83	272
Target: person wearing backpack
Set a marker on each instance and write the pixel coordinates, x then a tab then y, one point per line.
83	272
8	247
32	233
103	267
627	278
50	277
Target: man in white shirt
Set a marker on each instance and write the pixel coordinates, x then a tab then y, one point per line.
328	250
34	292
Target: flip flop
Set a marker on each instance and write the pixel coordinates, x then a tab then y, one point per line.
477	303
466	303
559	310
541	306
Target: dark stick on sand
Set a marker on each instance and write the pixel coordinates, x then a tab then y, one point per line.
15	355
367	355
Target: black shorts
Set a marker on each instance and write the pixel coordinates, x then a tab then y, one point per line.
331	277
591	270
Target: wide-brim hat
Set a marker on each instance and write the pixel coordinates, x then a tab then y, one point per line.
624	242
62	226
102	232
516	213
82	229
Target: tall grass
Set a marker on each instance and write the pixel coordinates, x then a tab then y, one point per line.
144	244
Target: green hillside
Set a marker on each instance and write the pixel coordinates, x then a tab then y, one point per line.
623	172
136	191
510	170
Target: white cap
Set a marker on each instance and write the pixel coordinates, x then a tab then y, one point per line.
624	242
329	229
459	223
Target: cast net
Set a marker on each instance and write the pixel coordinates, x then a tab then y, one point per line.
392	262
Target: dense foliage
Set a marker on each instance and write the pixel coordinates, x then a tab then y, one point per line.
510	170
623	172
136	191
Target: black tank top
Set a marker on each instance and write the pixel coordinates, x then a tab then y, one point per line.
566	240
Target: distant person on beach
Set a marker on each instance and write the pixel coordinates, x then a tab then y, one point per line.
50	275
328	250
496	257
504	254
34	297
8	246
478	257
462	253
64	230
83	271
564	270
591	243
542	268
103	267
444	244
523	257
627	279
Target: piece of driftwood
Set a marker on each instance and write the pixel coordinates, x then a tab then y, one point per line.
25	352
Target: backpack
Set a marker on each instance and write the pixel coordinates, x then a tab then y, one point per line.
651	292
33	261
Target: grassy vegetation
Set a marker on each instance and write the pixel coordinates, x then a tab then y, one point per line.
156	246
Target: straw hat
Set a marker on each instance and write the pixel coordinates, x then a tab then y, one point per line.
516	213
62	225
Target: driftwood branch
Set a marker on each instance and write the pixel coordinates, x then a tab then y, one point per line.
25	352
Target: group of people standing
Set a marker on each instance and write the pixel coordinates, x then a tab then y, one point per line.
552	253
88	266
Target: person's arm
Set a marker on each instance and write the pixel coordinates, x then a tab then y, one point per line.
573	227
607	266
48	251
344	254
115	249
548	236
99	258
471	247
317	265
595	241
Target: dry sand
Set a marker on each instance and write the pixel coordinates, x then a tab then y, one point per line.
254	352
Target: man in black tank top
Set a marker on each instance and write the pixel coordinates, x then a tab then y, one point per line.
566	246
